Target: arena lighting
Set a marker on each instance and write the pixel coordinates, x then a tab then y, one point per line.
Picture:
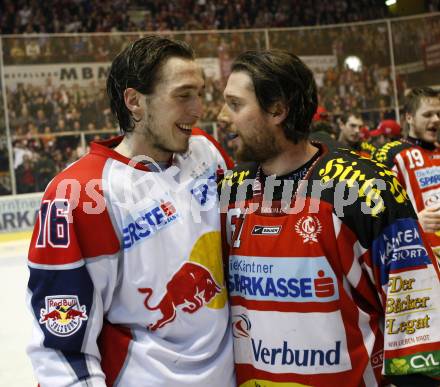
390	2
353	63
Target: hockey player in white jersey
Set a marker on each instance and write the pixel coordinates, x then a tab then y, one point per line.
126	282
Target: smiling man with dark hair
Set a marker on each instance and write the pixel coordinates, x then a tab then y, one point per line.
126	280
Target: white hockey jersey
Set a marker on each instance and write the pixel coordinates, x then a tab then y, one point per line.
126	280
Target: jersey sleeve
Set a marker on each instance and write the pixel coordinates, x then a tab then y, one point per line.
72	273
407	280
403	275
387	153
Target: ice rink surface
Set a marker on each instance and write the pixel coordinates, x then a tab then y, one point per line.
15	326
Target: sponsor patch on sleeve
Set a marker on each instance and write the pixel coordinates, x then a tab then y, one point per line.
399	246
428	177
425	362
411	311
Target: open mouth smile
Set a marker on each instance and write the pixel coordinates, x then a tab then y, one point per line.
186	128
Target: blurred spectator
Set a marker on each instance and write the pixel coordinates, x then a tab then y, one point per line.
320	115
4	157
25	176
21	152
325	132
5	184
388	130
350	125
45	170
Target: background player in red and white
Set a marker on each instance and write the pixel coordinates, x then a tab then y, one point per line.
126	285
321	293
416	160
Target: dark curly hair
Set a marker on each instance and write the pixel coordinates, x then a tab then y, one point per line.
280	76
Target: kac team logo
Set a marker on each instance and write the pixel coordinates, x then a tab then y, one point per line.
308	227
241	325
63	315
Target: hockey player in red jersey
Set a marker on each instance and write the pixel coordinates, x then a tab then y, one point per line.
416	159
126	279
331	281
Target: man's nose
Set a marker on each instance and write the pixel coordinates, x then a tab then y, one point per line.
222	116
197	110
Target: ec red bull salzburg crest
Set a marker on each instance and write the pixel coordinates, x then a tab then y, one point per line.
63	315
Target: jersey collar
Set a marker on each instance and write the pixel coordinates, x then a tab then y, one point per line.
422	144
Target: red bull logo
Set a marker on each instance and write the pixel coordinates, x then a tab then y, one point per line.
63	315
191	287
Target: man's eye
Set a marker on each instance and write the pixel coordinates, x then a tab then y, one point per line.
184	96
234	105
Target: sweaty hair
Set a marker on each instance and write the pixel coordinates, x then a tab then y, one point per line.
279	76
138	66
414	97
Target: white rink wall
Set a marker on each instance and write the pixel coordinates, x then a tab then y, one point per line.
15	322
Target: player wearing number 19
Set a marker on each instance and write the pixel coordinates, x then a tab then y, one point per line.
416	160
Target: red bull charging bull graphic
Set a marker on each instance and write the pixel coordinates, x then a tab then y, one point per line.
191	287
63	315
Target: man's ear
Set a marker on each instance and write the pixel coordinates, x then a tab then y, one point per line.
132	101
409	118
279	112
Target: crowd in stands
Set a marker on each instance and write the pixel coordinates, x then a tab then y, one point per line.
369	42
412	35
49	109
57	16
60	16
38	114
5	179
38	159
47	122
409	36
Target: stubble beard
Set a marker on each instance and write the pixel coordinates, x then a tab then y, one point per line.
159	142
259	149
423	134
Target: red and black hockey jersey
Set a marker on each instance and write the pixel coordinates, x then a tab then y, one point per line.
331	282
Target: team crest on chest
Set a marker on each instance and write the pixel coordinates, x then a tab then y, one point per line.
63	315
308	227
